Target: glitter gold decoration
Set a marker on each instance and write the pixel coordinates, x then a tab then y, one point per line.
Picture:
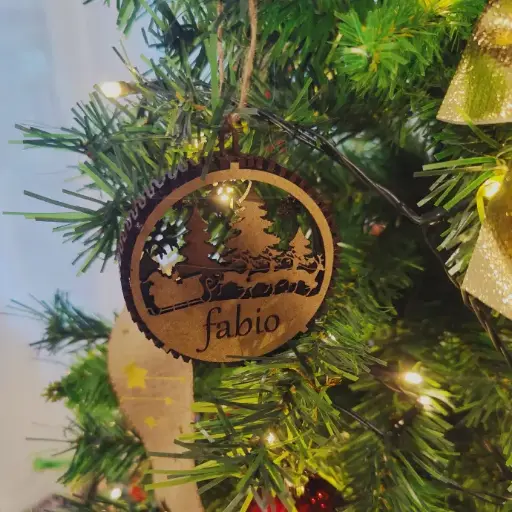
151	422
481	90
136	377
489	276
499	216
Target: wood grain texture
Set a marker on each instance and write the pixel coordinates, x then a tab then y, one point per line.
249	309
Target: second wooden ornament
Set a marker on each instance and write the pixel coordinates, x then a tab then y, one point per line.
155	392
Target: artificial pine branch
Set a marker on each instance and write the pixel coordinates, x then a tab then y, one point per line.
66	326
104	448
86	389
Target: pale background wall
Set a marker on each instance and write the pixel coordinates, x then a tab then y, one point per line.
51	54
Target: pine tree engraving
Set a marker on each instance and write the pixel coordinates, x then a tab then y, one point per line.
197	248
252	243
301	251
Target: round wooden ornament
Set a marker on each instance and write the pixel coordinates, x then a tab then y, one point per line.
206	271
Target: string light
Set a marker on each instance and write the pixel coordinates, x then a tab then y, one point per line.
413	378
116	493
271	438
111	89
491	188
225	193
425	400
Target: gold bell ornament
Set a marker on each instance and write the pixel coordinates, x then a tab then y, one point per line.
489	276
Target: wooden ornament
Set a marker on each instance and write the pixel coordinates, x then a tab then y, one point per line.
242	299
155	393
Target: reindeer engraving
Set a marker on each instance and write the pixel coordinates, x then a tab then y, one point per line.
310	278
250	264
275	276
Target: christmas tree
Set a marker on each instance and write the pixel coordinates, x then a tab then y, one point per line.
399	396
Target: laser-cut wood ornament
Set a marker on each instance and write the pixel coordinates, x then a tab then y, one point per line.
240	299
155	393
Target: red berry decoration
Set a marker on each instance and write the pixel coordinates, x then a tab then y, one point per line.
138	494
319	496
377	228
278	507
268	94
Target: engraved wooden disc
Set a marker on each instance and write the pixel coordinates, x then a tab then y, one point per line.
240	298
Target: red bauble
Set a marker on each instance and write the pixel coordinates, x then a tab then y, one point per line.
268	94
138	494
319	496
278	507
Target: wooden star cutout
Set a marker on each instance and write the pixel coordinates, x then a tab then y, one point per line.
136	376
151	422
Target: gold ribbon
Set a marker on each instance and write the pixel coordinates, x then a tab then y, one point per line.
489	275
481	89
487	191
499	214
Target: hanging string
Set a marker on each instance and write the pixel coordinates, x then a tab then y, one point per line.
249	60
220	48
232	119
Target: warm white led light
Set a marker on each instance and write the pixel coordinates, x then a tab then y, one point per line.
425	400
491	188
116	493
111	89
271	438
413	378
